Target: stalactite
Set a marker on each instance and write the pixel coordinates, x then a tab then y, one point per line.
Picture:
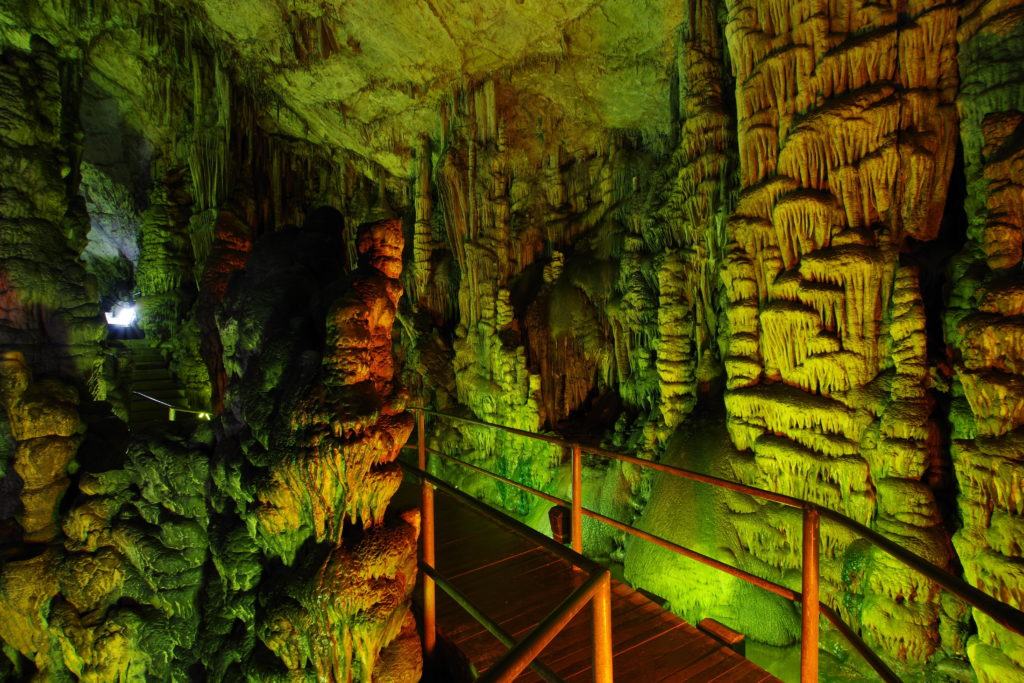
610	215
423	240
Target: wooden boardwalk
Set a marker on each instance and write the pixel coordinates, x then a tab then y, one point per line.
517	584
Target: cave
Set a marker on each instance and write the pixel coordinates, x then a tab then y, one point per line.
263	262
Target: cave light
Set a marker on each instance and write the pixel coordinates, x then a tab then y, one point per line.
122	315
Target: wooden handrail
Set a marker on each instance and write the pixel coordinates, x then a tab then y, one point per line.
808	611
1006	615
753	579
809	603
1003	614
492	627
667	469
426	543
513	525
517	659
504	480
869	655
576	528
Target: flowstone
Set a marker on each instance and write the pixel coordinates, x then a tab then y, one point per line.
48	303
622	218
109	589
846	125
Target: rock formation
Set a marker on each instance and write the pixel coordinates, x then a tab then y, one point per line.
846	134
982	325
49	301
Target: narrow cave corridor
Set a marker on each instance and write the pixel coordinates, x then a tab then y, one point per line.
737	280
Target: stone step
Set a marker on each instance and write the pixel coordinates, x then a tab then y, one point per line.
155	385
151	376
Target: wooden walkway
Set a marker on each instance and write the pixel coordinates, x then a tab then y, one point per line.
517	584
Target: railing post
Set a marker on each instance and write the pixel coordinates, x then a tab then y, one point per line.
603	631
809	596
576	523
427	541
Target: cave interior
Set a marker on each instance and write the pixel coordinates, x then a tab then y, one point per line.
779	242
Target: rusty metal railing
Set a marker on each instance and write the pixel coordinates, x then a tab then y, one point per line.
595	590
808	597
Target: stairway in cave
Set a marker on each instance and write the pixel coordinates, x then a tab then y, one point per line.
151	375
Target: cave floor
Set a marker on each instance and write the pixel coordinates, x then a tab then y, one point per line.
517	584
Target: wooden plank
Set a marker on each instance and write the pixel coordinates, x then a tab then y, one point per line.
520	606
518	614
705	666
629	618
453	577
631	662
636	633
744	672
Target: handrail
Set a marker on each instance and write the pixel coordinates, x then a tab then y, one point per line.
516	659
1005	615
596	590
639	533
492	627
869	655
668	469
513	525
203	414
504	480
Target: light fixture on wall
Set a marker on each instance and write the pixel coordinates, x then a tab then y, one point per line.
122	315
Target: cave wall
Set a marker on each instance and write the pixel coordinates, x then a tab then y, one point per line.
50	304
795	239
256	546
980	323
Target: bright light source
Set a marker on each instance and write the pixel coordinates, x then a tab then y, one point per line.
123	315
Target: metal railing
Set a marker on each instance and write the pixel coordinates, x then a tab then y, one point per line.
808	597
596	589
173	410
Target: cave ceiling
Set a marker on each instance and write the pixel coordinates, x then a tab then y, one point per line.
371	78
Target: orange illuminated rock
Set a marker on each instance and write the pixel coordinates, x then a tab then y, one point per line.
359	593
340	475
